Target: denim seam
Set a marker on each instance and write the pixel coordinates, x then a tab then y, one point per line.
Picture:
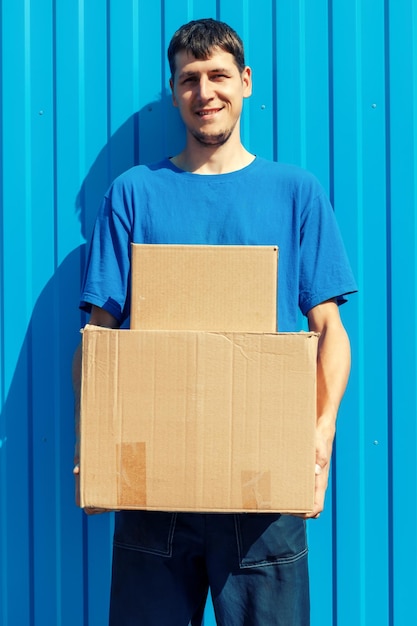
263	563
166	553
284	561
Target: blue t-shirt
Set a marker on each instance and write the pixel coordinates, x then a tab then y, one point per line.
265	203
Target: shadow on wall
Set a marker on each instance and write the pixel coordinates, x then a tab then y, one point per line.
56	560
145	137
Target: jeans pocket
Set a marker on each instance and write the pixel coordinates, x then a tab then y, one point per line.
269	539
146	531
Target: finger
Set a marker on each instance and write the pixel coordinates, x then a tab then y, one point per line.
91	510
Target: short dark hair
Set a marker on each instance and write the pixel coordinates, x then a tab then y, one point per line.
199	37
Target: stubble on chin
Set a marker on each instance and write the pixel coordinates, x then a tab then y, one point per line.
209	140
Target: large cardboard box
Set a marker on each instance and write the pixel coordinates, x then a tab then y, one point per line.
183	287
198	421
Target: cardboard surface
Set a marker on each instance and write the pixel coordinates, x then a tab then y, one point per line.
198	421
226	288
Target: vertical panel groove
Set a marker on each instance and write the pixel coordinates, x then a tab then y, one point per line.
331	101
274	81
389	315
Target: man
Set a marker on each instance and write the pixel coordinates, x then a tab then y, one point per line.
216	192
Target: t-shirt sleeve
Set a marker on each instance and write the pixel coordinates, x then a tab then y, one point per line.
325	271
107	276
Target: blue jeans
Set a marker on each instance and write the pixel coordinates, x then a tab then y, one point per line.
164	563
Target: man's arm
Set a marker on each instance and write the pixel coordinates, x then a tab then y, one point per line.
333	367
99	317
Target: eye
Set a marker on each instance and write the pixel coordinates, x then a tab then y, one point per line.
189	79
220	77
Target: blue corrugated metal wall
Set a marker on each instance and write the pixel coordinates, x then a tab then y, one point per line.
84	96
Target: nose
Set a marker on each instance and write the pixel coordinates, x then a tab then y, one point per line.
205	88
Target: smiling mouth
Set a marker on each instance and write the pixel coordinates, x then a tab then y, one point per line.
207	112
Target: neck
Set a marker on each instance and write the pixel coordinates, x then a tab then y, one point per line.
200	159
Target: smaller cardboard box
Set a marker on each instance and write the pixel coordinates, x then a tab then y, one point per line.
189	287
198	421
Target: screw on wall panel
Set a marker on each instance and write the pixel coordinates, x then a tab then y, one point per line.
263	106
41	112
373	105
376	442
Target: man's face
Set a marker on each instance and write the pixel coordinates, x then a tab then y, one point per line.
209	94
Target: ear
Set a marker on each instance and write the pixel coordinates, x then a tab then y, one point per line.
174	100
247	82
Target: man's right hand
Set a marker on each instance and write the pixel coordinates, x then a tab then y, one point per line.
89	510
99	317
